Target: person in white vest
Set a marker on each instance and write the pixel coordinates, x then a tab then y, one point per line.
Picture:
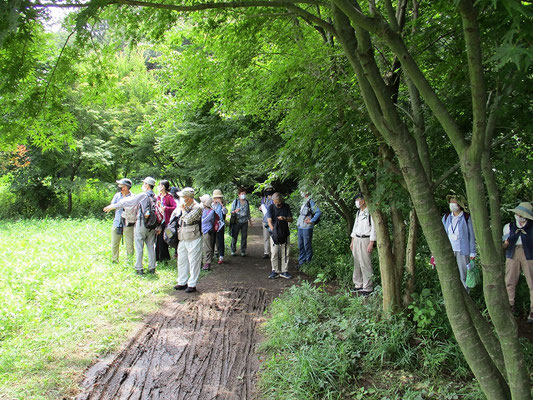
190	242
363	239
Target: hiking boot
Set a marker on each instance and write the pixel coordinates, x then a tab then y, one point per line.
243	254
139	272
190	289
273	275
221	260
265	256
357	290
206	267
364	293
233	254
286	275
530	318
180	287
151	271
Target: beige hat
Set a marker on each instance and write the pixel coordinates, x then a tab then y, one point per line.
206	200
217	193
458	198
186	192
524	210
149	180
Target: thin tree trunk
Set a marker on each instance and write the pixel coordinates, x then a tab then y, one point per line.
410	259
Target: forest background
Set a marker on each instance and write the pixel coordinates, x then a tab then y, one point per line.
248	94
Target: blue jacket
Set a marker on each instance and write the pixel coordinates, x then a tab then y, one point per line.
465	231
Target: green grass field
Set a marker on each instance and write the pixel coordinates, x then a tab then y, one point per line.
64	303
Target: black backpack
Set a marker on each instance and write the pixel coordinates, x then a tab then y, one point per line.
170	235
311	213
281	231
151	216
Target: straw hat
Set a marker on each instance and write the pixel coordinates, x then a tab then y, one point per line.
217	193
524	210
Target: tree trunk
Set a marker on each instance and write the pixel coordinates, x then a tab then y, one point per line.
410	260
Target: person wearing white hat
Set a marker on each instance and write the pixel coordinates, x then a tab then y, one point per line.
142	234
221	210
190	242
518	245
121	229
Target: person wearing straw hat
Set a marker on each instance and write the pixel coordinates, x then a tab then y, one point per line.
142	233
190	242
518	245
221	210
458	226
121	228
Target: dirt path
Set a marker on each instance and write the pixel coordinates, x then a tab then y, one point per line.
197	346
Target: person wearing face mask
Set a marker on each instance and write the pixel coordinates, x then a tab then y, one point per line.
363	240
458	225
221	210
240	209
142	234
266	201
518	245
167	203
121	228
309	215
190	242
279	216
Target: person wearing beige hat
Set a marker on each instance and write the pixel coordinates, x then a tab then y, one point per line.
208	231
222	211
518	244
121	228
458	225
190	242
142	234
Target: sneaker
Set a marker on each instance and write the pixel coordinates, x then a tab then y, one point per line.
286	275
357	290
206	267
530	318
139	272
243	254
151	271
233	254
365	293
180	287
265	256
273	275
221	260
190	289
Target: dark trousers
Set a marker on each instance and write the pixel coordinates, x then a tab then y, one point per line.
243	228
161	247
305	245
220	241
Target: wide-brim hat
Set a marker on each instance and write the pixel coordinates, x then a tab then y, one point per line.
217	193
458	198
524	210
149	180
269	187
125	182
186	192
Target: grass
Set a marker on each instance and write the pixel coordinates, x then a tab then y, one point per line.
64	303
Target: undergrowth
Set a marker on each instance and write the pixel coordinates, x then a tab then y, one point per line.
323	346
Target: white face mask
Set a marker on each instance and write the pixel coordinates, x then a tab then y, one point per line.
303	194
242	196
357	203
519	220
454	207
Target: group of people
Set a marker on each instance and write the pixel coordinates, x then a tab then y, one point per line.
517	241
200	229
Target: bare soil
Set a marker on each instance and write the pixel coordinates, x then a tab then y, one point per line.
200	345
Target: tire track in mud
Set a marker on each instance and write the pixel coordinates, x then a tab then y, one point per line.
203	348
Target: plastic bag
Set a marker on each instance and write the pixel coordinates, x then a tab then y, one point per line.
473	275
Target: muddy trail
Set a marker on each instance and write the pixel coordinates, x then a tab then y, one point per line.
200	345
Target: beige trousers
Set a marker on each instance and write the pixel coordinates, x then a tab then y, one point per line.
279	256
266	240
115	242
512	273
362	266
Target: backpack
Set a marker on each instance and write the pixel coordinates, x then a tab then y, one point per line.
170	235
312	213
281	231
153	217
130	215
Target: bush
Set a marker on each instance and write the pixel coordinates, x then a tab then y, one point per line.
322	346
